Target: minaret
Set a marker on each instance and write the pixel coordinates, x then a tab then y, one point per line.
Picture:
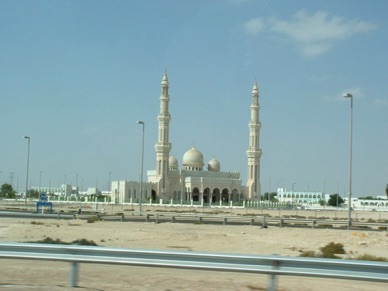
254	151
163	147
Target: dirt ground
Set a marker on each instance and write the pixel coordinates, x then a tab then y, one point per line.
246	239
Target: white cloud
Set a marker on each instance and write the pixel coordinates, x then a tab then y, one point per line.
314	33
356	93
320	78
238	1
381	102
254	26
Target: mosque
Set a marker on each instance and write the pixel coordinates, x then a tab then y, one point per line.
190	182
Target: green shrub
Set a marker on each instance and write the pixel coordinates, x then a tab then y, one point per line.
366	257
93	219
49	240
309	254
325	226
331	249
37	222
83	242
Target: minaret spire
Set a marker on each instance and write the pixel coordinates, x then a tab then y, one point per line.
163	146
254	152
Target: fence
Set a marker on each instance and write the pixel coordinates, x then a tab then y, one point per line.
270	265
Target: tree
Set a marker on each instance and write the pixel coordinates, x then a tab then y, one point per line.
7	191
335	200
386	190
33	193
271	196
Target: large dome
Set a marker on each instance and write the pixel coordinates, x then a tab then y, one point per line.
214	165
173	162
193	160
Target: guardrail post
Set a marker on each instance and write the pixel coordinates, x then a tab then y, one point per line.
313	223
157	217
273	280
74	274
224	222
264	223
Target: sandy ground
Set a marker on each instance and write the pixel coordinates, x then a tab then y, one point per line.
41	275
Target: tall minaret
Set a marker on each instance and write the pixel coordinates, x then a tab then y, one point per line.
254	151
163	147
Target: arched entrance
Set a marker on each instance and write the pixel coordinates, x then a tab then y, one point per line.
195	194
153	195
216	195
225	195
206	194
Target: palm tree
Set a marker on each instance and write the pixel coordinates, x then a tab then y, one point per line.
386	190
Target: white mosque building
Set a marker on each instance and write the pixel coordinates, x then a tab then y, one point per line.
190	182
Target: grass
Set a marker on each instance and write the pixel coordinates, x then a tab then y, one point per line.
37	222
93	219
366	257
324	226
49	240
332	249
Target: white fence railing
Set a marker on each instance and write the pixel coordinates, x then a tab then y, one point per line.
270	265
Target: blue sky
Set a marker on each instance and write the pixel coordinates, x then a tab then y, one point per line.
75	76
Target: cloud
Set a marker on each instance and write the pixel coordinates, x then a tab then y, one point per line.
254	26
356	93
314	33
238	1
380	102
320	78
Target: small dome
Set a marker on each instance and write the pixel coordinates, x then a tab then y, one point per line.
193	160
173	163
214	165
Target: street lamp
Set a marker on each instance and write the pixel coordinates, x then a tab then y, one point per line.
292	192
28	164
40	179
142	162
348	95
109	187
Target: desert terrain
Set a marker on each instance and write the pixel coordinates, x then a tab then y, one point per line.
245	239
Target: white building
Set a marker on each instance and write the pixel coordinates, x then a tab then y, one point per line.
190	181
299	197
64	190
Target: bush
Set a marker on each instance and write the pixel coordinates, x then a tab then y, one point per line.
93	219
325	226
49	240
331	249
309	254
366	257
37	222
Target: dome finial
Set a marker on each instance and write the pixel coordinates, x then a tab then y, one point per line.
165	78
255	90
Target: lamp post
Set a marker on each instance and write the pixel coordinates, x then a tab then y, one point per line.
28	164
142	162
348	95
109	182
292	192
40	179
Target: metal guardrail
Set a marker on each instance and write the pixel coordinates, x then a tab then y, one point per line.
270	265
159	217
